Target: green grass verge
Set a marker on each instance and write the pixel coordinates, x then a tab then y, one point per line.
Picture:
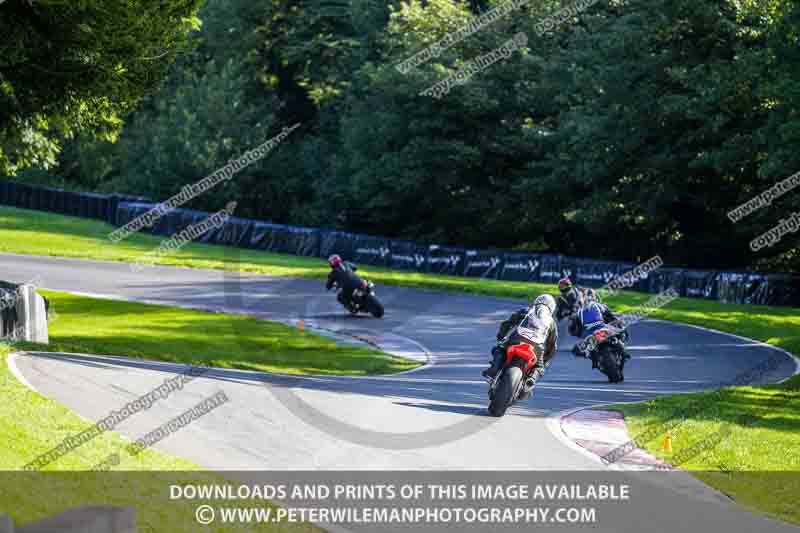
164	333
744	441
31	424
751	434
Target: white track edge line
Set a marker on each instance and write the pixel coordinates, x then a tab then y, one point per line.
12	365
792	356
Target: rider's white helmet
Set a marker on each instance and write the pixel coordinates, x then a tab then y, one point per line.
547	301
590	296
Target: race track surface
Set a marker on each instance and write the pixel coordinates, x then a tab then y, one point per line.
432	418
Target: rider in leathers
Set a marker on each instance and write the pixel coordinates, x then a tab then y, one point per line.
570	299
591	317
343	274
535	326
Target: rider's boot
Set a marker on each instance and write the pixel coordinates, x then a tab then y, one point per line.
527	391
625	357
494	367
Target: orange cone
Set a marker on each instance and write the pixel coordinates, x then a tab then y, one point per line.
301	325
667	442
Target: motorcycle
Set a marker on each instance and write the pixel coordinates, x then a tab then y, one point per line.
606	348
363	300
513	381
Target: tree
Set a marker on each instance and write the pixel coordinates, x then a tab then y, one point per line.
629	130
80	67
671	121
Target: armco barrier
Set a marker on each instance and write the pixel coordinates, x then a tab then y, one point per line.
733	287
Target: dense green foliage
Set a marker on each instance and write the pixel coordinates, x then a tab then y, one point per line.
629	130
69	68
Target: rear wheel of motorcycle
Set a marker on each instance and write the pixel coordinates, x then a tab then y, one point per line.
504	392
609	365
374	306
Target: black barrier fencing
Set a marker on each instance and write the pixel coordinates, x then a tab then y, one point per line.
407	255
769	289
344	244
446	260
364	250
483	263
520	267
731	287
81	204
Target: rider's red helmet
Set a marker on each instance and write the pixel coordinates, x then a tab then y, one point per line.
334	261
564	284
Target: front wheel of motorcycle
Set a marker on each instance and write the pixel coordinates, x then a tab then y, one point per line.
374	306
609	365
504	392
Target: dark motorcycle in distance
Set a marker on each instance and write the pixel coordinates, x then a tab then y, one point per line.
363	300
606	348
513	381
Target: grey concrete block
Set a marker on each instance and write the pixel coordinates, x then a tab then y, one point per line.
32	314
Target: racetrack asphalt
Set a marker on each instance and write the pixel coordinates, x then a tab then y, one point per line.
431	418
